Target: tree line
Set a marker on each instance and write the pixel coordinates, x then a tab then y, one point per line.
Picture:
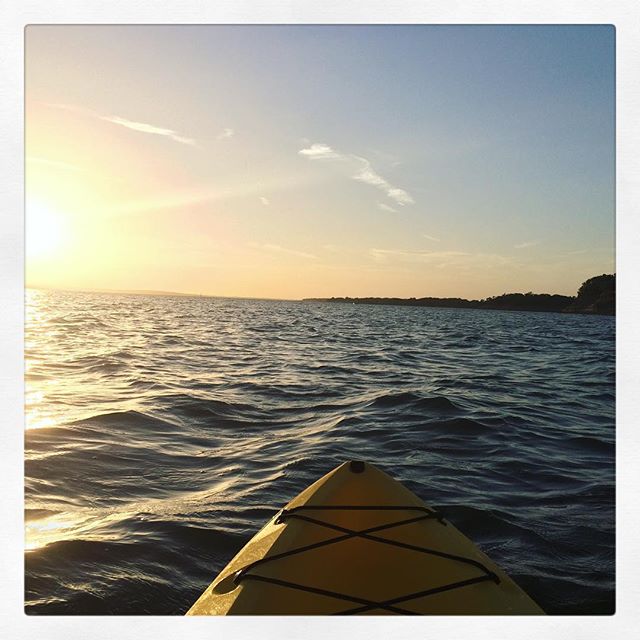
595	295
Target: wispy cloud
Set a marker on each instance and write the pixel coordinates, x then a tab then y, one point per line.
148	128
276	248
361	170
71	107
265	201
386	207
226	133
417	256
432	238
367	175
319	151
440	259
197	196
124	122
56	164
524	245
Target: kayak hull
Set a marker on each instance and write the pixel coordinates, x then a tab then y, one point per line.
359	542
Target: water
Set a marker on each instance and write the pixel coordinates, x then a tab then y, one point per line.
164	431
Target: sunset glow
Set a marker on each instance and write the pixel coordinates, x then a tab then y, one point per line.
229	161
44	233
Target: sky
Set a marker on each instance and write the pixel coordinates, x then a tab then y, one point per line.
316	161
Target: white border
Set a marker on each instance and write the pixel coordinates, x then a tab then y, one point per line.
624	14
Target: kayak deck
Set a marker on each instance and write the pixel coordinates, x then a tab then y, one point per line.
359	542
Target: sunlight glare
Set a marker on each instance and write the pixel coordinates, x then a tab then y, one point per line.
44	230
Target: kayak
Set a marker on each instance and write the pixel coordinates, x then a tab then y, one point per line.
359	542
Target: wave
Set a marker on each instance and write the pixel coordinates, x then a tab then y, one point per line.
197	407
591	444
127	419
413	401
185	424
38	514
459	427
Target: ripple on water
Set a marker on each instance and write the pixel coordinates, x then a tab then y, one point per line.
177	426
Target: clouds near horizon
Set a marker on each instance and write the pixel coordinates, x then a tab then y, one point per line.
276	248
442	259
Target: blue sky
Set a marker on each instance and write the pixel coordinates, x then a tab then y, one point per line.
293	161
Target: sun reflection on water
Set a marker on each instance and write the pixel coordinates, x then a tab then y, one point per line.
44	531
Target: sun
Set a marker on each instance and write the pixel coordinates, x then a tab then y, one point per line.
44	230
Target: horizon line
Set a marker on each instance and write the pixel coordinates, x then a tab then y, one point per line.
152	292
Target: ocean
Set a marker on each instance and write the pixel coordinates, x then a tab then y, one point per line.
163	431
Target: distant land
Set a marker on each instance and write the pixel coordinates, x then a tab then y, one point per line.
134	292
144	292
596	295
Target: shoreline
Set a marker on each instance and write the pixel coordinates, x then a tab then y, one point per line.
403	302
595	296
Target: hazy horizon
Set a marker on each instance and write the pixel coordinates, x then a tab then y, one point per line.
290	162
187	294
